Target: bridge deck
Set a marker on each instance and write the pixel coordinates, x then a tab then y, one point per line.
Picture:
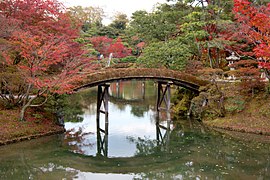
110	75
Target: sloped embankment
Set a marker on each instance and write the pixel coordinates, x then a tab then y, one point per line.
36	125
244	113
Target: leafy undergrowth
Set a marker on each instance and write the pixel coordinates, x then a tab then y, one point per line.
245	114
36	124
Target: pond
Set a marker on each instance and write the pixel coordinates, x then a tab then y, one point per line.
139	144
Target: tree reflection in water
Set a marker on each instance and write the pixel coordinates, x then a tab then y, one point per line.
77	138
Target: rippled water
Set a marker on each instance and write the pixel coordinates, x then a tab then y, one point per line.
139	145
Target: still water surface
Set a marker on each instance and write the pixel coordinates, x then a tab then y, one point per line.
140	145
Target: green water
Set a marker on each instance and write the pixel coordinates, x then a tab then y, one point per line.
139	145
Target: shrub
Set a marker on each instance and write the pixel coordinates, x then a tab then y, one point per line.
128	59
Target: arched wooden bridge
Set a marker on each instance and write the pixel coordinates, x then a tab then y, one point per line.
110	75
164	78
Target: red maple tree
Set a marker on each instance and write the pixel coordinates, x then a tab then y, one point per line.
254	22
118	49
106	45
101	44
247	71
42	49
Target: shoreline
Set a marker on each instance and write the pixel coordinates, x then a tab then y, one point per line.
244	136
240	130
31	136
229	130
13	131
36	124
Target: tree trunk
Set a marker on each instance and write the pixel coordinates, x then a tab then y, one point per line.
209	56
267	73
22	113
221	106
218	58
24	107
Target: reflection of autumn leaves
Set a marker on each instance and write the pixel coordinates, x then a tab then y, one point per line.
163	115
76	139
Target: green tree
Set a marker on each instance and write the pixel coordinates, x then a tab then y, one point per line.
158	30
120	21
151	26
90	17
108	31
172	54
205	27
116	28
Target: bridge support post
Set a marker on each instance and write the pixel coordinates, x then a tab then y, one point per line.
102	144
163	130
118	89
164	95
143	90
102	98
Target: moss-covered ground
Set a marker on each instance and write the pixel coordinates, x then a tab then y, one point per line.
36	124
244	112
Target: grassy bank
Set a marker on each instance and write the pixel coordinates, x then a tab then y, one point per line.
244	113
36	124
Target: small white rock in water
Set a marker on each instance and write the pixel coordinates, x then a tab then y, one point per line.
189	163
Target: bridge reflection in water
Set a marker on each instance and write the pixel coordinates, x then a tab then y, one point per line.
163	128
